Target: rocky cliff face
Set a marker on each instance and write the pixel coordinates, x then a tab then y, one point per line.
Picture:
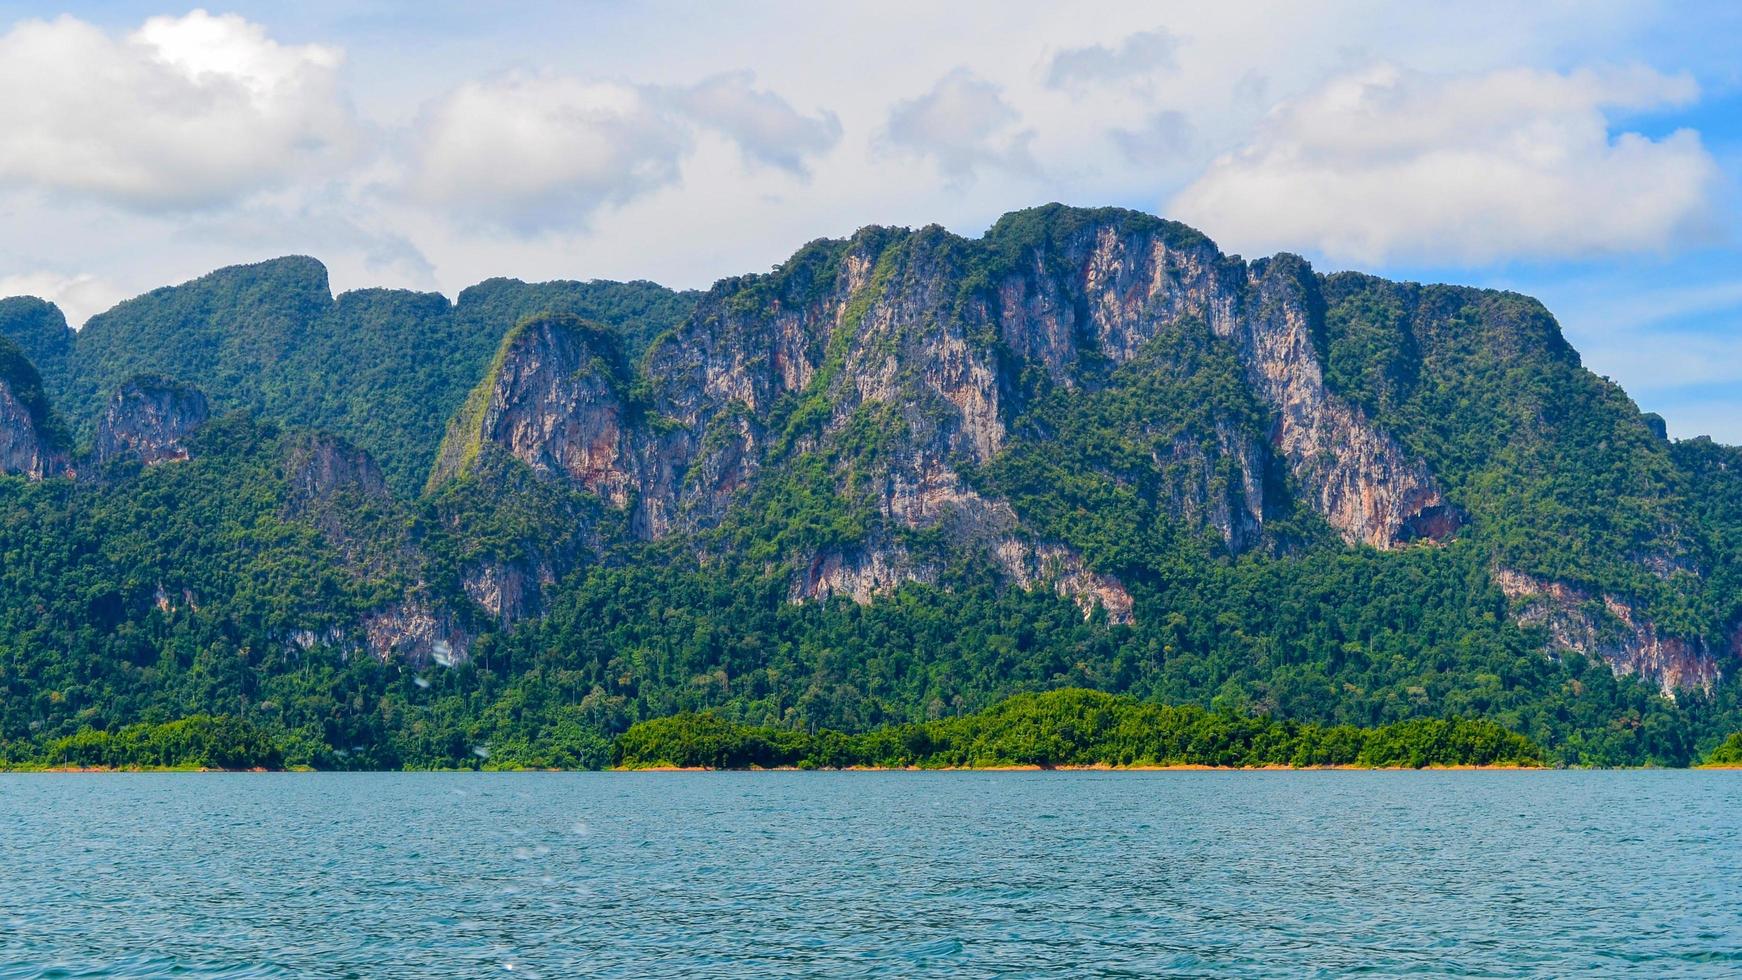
1614	631
29	444
149	419
25	449
906	357
320	465
556	400
418	633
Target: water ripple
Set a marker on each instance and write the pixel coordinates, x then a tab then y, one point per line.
872	875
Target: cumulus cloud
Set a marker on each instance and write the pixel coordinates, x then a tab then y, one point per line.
1137	57
1392	164
185	112
766	127
532	153
964	124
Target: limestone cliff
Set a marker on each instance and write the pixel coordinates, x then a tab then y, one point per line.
30	443
1614	630
149	419
907	357
555	399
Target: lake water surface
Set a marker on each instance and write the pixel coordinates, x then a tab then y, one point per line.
1492	874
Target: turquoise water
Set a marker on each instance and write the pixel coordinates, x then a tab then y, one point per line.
1492	874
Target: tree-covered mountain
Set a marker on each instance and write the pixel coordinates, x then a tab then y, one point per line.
899	478
384	368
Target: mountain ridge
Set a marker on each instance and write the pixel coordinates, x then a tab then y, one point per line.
1096	405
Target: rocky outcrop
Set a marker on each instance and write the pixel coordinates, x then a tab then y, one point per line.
508	591
860	575
149	419
1040	566
30	446
318	465
1613	630
25	448
1225	488
1358	477
1128	277
906	358
418	633
556	400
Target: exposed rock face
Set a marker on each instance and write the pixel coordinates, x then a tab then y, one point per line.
555	409
907	356
1128	283
320	465
149	420
418	633
335	486
508	591
29	446
1225	489
1363	483
1613	630
25	448
555	401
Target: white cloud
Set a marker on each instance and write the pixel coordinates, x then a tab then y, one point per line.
766	127
1136	58
1390	164
964	124
185	112
79	297
537	152
533	153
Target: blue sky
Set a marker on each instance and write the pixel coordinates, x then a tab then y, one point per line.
1588	154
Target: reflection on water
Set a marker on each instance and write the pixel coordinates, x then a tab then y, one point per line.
872	874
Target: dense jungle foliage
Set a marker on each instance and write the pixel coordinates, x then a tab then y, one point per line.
1075	727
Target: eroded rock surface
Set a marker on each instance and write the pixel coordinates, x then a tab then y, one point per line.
905	357
1613	630
149	419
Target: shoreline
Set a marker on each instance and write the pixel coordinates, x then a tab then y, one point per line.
1100	767
1091	767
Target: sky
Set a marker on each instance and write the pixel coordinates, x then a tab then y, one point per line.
1588	154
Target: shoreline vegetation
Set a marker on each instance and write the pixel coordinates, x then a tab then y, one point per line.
1076	729
1064	730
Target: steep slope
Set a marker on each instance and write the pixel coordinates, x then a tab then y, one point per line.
1594	527
889	370
31	444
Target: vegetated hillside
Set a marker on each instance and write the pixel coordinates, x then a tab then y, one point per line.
899	478
384	368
